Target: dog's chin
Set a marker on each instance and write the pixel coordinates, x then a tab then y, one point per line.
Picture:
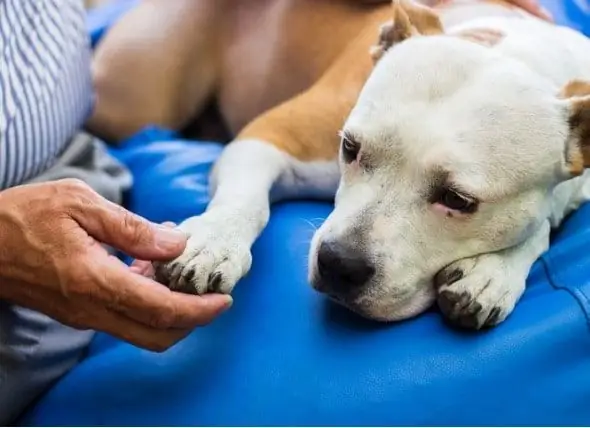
387	308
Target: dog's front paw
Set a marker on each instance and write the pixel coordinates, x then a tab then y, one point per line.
478	292
215	258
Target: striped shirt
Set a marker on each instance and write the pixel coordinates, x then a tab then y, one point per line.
45	83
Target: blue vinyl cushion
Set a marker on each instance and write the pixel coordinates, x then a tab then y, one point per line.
284	356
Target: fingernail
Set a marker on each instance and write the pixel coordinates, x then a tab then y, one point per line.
226	301
170	239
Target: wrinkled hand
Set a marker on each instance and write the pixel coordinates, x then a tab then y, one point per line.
52	260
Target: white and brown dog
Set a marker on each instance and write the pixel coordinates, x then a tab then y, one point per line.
456	155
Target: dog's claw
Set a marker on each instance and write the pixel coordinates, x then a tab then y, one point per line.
214	282
477	293
213	261
447	277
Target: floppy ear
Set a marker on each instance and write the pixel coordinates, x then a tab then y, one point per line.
409	19
577	94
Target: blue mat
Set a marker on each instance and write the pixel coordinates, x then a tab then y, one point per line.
284	356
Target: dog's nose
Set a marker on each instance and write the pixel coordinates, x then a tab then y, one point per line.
343	268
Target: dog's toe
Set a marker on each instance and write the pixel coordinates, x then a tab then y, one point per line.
213	262
477	293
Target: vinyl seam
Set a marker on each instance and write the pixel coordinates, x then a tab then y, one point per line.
579	296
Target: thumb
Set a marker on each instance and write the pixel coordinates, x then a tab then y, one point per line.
113	225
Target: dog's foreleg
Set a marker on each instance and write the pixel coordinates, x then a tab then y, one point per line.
249	175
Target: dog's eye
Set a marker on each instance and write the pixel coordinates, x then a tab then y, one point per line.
350	149
456	201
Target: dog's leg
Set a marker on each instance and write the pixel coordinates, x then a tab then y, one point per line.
289	152
482	291
249	176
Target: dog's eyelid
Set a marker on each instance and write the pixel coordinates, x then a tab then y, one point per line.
350	147
453	187
448	183
347	135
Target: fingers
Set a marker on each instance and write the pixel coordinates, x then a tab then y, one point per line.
150	303
87	314
136	333
113	225
145	267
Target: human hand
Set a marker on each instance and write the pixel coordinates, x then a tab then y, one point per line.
52	260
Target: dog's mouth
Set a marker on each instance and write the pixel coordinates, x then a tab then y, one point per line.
351	305
387	308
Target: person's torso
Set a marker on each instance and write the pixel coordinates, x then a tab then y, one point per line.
45	83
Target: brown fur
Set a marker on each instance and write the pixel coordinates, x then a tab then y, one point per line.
285	71
409	19
578	92
576	88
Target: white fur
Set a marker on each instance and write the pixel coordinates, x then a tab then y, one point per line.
488	116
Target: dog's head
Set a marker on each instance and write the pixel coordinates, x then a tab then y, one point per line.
452	150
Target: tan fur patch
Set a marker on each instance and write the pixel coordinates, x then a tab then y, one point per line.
578	151
306	126
576	88
579	123
409	19
483	36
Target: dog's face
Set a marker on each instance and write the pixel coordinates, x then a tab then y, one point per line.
450	152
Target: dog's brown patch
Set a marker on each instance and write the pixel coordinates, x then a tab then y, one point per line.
576	88
579	123
578	150
409	19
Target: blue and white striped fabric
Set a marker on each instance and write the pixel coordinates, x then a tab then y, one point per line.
45	83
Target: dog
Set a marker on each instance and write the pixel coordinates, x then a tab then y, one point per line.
452	140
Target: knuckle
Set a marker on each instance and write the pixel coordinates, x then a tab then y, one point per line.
74	185
77	195
82	280
164	318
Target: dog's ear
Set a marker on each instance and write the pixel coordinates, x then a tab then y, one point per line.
577	95
409	19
